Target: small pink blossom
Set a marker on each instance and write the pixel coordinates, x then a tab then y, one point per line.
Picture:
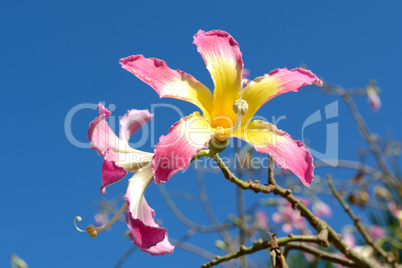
348	238
101	217
289	217
321	209
396	211
376	231
261	220
373	98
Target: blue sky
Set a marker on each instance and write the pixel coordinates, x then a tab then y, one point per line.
56	55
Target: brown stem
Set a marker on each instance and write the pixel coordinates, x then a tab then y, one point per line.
365	132
320	254
386	256
315	222
261	245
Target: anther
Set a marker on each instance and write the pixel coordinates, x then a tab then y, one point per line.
92	230
240	106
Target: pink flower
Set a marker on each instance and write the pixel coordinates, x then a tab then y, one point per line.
119	159
373	98
396	211
101	217
348	238
321	209
289	218
227	113
376	231
261	220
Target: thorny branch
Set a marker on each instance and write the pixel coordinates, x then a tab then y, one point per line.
320	254
314	221
365	132
387	256
261	245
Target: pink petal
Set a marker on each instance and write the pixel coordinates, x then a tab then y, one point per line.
131	122
277	82
321	209
287	228
223	58
111	174
175	150
169	83
277	217
374	101
261	219
99	133
376	231
103	138
144	232
288	153
349	239
119	157
101	218
293	80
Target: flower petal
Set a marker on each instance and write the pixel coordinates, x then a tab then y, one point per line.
111	174
144	232
223	58
288	153
277	82
119	157
169	83
99	133
131	122
175	150
103	138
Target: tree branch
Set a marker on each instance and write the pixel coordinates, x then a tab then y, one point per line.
386	256
261	245
315	222
185	220
320	254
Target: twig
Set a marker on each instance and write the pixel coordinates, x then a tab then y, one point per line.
320	254
255	186
277	258
386	256
365	132
271	175
185	220
208	209
240	209
315	222
192	249
125	256
261	245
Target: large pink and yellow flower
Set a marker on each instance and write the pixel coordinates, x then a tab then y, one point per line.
226	113
119	159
